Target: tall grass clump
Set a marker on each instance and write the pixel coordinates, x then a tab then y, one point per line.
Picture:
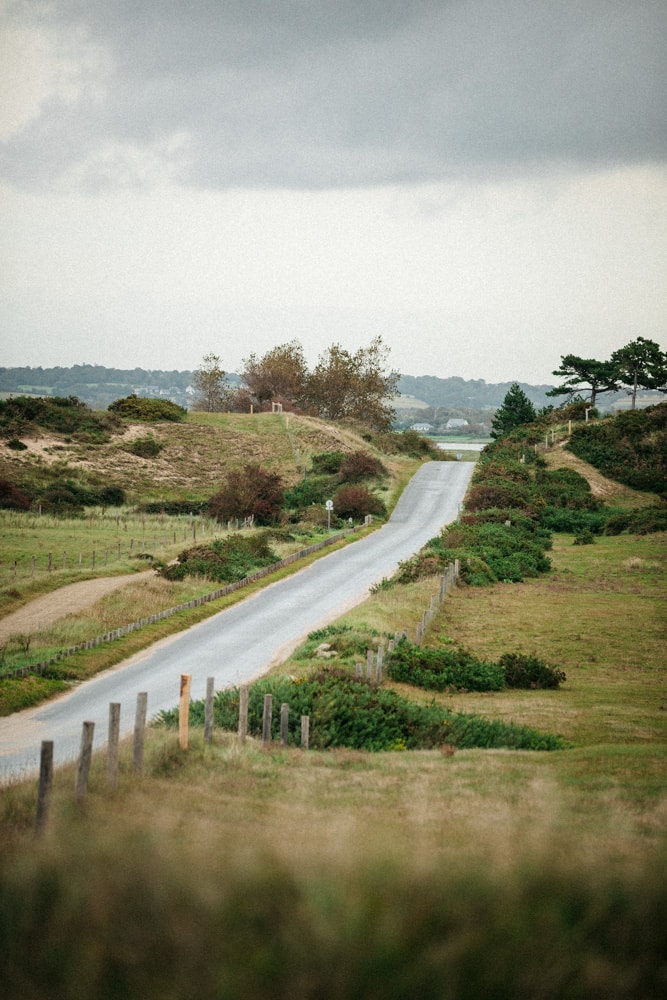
127	915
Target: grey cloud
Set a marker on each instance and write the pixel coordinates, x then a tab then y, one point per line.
308	93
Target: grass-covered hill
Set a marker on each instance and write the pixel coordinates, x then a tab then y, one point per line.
165	454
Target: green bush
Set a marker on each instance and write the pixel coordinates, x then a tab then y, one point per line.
327	462
348	711
630	448
526	671
175	507
442	669
16	445
224	560
315	489
642	521
62	414
147	410
571	521
455	669
146	447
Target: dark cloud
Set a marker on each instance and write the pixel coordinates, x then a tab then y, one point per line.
312	93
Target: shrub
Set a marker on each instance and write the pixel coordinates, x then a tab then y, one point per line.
360	465
356	502
642	521
224	560
327	462
249	492
147	409
572	521
454	668
146	447
584	538
12	498
62	414
630	448
526	671
16	445
443	669
313	490
348	711
174	507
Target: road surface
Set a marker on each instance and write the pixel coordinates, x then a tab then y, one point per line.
243	641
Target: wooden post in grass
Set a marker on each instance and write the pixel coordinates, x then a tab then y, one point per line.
266	721
370	656
112	744
359	669
184	711
243	712
378	665
85	758
139	728
208	711
305	731
284	723
44	787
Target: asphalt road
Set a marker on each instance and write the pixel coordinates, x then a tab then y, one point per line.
243	641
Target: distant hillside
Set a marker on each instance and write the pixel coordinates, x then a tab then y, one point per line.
474	394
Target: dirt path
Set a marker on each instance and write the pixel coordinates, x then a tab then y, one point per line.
45	610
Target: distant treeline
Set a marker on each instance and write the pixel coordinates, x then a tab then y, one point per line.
98	386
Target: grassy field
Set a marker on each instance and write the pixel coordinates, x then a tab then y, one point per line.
233	871
230	871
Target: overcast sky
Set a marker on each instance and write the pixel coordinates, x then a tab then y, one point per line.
480	182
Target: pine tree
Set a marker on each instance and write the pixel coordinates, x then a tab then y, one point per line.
516	409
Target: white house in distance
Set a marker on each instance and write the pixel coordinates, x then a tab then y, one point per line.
422	428
456	423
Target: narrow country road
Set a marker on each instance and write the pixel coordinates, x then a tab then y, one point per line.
243	641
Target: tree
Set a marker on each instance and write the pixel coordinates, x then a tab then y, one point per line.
211	386
516	409
249	492
641	364
585	374
356	385
280	373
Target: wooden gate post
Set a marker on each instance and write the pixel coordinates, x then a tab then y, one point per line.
184	711
305	731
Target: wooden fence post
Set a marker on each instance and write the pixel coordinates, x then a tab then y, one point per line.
208	711
45	782
139	727
305	731
112	744
284	724
243	712
184	711
378	666
370	656
85	758
266	721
